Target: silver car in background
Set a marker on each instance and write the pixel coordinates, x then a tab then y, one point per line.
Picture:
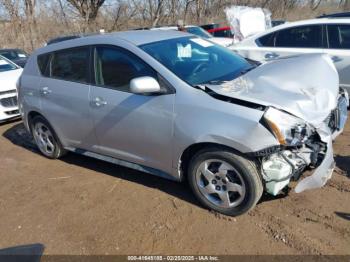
180	107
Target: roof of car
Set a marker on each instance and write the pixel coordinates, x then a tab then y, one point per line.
171	27
136	37
325	20
335	15
149	36
316	21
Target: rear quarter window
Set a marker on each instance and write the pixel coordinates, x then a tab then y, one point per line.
43	61
267	40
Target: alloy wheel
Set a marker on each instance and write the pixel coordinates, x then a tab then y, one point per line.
44	138
220	183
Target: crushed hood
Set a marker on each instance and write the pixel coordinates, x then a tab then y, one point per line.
306	86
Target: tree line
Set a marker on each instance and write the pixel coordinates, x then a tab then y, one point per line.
30	23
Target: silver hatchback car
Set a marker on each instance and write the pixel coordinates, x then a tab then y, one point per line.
180	107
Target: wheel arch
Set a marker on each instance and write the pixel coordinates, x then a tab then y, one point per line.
30	117
191	150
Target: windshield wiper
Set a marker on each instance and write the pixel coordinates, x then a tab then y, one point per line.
243	72
237	74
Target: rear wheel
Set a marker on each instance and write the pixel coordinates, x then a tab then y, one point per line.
225	181
46	139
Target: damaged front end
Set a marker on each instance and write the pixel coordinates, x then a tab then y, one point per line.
302	145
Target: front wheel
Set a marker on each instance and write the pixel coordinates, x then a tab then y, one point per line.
225	181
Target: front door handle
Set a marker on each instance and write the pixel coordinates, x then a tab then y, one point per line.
336	59
98	101
45	91
271	55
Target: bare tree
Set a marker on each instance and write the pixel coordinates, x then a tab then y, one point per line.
188	3
12	8
121	15
63	13
30	16
314	4
345	4
88	9
156	10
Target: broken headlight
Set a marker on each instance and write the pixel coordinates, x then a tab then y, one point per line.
288	129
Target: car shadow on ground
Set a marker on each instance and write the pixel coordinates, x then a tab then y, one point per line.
343	163
19	136
25	253
345	216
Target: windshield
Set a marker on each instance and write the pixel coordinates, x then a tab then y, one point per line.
198	31
6	66
198	61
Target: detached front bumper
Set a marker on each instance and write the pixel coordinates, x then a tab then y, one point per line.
322	173
327	133
279	168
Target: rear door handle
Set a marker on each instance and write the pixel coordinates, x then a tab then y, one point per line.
271	55
45	91
98	101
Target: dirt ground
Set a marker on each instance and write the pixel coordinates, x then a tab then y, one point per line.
79	205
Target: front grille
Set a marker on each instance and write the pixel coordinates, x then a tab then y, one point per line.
9	101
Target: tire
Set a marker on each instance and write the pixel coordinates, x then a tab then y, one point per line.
224	181
44	133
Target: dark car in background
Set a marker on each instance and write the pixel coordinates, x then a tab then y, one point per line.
218	30
18	56
277	22
210	26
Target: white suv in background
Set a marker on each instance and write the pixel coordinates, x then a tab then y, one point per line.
9	74
323	35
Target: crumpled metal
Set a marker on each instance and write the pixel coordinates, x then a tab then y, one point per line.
325	170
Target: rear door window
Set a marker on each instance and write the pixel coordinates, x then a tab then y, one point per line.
309	36
71	65
338	36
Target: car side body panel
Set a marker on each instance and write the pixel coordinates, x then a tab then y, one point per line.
209	120
29	92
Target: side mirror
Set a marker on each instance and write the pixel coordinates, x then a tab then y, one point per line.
144	84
